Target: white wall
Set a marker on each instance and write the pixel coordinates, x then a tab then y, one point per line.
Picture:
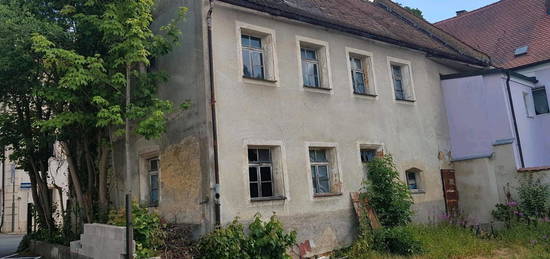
284	112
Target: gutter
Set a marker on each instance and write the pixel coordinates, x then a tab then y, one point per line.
508	76
217	211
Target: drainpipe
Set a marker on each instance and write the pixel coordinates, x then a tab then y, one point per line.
3	186
217	211
514	118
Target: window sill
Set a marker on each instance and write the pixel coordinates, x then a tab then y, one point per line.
273	198
318	88
406	100
365	94
332	194
417	191
259	79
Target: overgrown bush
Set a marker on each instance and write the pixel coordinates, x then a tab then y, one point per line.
387	194
534	197
396	240
264	240
148	229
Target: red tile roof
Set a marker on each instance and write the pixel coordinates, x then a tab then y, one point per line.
500	28
381	20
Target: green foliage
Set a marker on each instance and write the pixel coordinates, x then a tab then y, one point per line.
396	240
265	240
148	229
534	198
387	194
415	11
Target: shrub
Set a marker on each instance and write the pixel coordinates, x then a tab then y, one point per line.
226	242
148	229
265	240
534	197
396	240
506	212
388	195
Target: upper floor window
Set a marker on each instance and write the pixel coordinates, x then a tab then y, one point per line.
397	73
253	57
258	55
540	100
153	166
401	80
310	67
314	63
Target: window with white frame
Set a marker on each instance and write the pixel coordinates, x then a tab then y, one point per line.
310	67
260	172
401	80
414	180
265	173
540	100
313	56
253	57
324	171
153	165
257	52
360	74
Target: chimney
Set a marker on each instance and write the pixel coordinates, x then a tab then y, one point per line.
547	6
461	12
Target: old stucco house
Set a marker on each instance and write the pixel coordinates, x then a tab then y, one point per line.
499	119
290	101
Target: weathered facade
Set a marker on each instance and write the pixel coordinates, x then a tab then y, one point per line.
306	92
499	119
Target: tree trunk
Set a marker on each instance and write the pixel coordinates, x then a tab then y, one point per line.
76	183
103	167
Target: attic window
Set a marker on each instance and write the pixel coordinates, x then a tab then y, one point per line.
521	51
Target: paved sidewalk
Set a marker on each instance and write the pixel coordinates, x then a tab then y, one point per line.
9	244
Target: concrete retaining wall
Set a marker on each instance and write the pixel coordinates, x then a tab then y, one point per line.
50	251
101	241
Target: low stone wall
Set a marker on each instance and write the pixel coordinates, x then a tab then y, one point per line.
50	251
101	241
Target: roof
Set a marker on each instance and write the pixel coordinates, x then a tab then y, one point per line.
380	20
501	28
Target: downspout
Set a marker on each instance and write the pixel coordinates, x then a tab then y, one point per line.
514	118
3	187
217	211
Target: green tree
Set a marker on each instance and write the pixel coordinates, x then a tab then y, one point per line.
76	70
415	11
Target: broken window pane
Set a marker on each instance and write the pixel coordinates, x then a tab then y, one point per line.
253	60
398	82
252	155
412	181
541	101
367	155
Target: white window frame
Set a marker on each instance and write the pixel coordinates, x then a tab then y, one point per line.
368	69
529	104
323	57
269	43
408	79
418	178
278	173
334	169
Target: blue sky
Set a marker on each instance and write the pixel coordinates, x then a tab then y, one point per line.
437	10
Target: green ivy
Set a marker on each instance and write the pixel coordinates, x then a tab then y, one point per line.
387	194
